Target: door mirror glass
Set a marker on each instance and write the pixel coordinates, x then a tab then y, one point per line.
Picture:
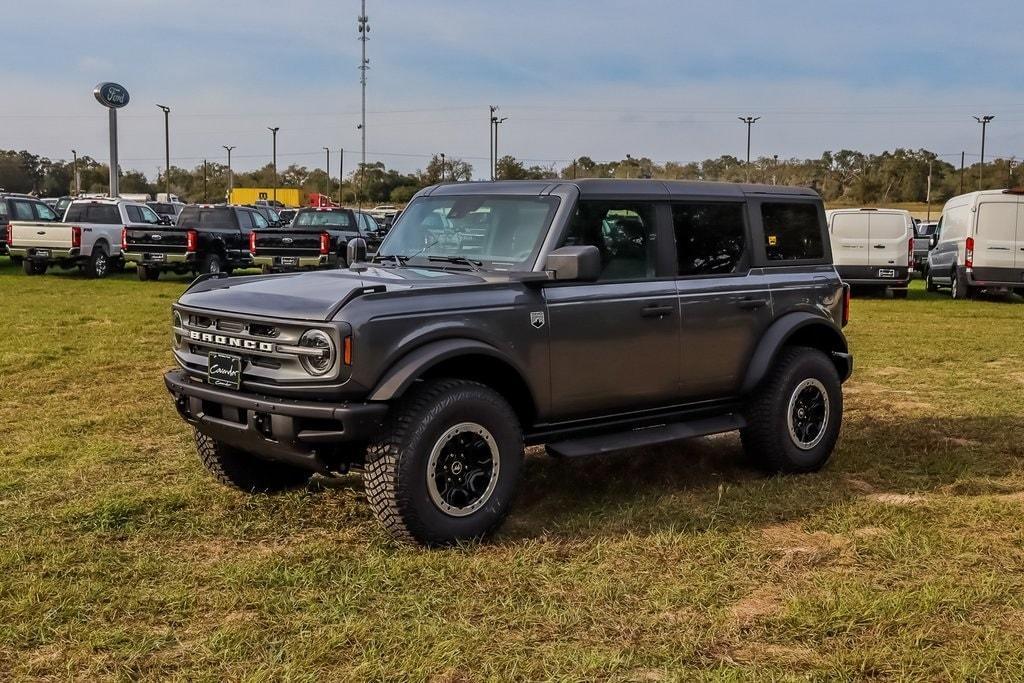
580	263
355	250
932	241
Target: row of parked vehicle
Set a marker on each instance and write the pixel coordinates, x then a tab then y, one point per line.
100	234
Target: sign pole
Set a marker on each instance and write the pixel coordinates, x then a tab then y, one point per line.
113	97
115	191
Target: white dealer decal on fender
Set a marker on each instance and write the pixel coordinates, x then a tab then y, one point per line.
233	342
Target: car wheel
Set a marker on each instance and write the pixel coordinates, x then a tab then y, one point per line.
30	267
958	288
147	272
98	264
238	469
794	417
929	283
210	265
447	467
900	293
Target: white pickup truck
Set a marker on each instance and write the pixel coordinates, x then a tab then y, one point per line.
89	238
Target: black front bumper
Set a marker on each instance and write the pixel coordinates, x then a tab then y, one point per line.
302	433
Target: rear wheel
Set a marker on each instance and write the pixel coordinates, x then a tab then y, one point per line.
238	469
447	467
958	288
211	265
98	264
147	272
795	415
30	267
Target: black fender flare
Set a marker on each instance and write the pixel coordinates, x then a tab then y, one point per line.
102	244
412	365
781	331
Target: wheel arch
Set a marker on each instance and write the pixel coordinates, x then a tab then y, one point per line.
797	329
462	359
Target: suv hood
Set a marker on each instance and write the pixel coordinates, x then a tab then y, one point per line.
317	295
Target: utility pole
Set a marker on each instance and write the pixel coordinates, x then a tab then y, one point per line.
574	169
775	167
750	121
206	195
928	194
1009	172
442	168
328	169
341	174
490	129
984	120
496	121
167	149
78	179
963	160
273	131
231	174
364	66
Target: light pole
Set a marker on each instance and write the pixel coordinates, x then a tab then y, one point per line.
490	129
328	169
364	66
167	150
78	182
497	121
231	174
749	120
273	131
341	175
984	120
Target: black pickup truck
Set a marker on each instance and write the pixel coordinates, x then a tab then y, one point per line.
316	238
207	239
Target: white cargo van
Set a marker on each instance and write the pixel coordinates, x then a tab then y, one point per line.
979	244
873	247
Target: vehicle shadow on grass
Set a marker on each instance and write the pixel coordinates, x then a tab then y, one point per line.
690	486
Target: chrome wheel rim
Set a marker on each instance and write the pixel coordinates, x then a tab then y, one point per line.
101	264
214	267
808	413
463	468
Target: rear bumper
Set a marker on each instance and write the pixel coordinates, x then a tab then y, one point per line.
52	255
296	432
1001	278
275	262
875	275
159	259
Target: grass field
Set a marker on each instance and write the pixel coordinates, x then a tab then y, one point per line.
121	559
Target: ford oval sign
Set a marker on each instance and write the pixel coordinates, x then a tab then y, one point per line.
111	95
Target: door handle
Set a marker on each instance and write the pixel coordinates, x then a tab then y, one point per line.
750	303
656	311
879	246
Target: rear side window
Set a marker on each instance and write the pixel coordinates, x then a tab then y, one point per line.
245	220
622	233
218	217
3	211
792	231
104	214
333	219
23	211
134	215
710	238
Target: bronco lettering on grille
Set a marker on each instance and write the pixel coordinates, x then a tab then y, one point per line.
233	342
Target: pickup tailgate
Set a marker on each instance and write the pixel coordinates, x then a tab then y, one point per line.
26	235
156	240
273	242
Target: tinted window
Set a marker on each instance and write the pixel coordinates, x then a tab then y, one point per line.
619	230
791	231
3	210
23	211
105	214
258	220
148	215
371	223
162	208
45	213
215	217
710	238
134	214
245	221
319	219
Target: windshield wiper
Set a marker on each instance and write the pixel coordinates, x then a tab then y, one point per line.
398	258
475	265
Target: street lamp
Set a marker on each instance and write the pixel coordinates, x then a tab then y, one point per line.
984	121
328	169
167	150
341	175
231	174
497	121
749	120
490	142
273	132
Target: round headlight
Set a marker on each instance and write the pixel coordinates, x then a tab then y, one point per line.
176	325
317	364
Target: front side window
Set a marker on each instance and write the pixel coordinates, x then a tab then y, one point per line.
148	215
502	231
792	231
44	213
258	220
324	219
623	233
710	238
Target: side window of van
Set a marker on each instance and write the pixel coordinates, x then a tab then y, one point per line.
622	233
710	238
792	231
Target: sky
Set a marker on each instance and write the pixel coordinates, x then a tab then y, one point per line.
656	78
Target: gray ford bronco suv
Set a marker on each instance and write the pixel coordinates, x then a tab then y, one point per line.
589	316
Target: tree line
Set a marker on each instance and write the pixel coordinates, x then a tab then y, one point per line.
900	175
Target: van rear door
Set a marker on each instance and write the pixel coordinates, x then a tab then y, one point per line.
850	239
889	238
995	237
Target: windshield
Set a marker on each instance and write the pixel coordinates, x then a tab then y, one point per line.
319	219
503	230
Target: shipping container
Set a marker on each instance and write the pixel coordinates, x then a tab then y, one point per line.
289	196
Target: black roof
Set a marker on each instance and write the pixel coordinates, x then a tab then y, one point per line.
603	187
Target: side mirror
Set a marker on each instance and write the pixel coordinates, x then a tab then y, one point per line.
932	241
575	263
355	250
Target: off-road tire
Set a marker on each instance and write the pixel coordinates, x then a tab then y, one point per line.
929	283
766	439
396	466
958	288
246	472
98	264
31	267
147	272
899	293
211	263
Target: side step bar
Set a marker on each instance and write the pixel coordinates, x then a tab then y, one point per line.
647	436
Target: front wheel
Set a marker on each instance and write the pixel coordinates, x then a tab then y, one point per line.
794	417
238	469
929	283
447	467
